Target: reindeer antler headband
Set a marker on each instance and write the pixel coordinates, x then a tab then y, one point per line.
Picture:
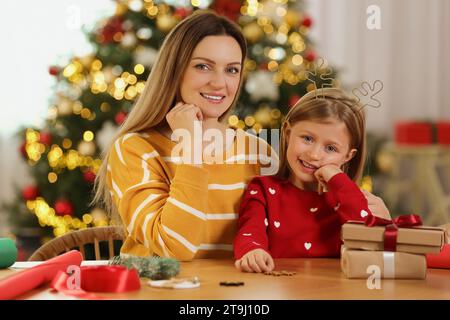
365	94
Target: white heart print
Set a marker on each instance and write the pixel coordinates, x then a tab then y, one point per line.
266	222
307	245
313	209
247	234
272	191
364	213
253	192
276	224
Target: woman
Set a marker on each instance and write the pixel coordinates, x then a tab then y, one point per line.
169	205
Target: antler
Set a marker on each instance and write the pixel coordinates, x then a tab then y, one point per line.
312	76
365	94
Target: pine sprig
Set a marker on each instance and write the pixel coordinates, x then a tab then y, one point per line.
155	268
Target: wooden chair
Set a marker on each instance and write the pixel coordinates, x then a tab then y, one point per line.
77	240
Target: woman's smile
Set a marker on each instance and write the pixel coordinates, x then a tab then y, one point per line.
213	98
211	80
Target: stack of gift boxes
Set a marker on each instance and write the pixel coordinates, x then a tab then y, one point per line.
364	247
422	133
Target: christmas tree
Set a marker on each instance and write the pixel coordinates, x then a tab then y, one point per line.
94	93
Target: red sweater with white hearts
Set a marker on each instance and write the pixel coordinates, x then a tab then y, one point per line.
288	222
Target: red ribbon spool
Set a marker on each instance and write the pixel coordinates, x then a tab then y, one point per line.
115	279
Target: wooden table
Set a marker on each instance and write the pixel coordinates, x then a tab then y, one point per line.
314	279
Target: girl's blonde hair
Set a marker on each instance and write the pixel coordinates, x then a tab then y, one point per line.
162	88
320	105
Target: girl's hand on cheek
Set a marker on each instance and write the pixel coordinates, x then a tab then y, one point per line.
326	172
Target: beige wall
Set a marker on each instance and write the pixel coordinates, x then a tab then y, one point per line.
410	53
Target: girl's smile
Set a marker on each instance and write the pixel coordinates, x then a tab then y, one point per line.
307	167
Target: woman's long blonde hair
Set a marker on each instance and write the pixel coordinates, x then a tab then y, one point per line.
319	105
162	87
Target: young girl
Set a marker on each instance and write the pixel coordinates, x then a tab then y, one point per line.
322	147
169	207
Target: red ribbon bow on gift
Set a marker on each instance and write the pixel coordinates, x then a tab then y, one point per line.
98	279
391	231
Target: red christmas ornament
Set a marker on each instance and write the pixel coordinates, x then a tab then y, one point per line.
22	254
45	138
89	176
293	100
182	13
23	150
54	70
63	207
264	66
310	56
307	22
228	8
120	117
113	26
30	193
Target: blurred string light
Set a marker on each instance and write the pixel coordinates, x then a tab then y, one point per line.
367	183
34	149
283	26
151	9
63	224
277	53
88	136
135	5
52	177
57	160
71	160
56	157
139	69
263	117
126	85
202	4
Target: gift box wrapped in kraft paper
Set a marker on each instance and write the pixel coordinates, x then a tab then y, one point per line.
393	265
422	240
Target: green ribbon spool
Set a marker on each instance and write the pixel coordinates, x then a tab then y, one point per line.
8	252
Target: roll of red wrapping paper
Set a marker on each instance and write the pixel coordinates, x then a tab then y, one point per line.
440	260
32	278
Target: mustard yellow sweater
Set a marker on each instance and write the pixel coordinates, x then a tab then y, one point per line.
171	209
